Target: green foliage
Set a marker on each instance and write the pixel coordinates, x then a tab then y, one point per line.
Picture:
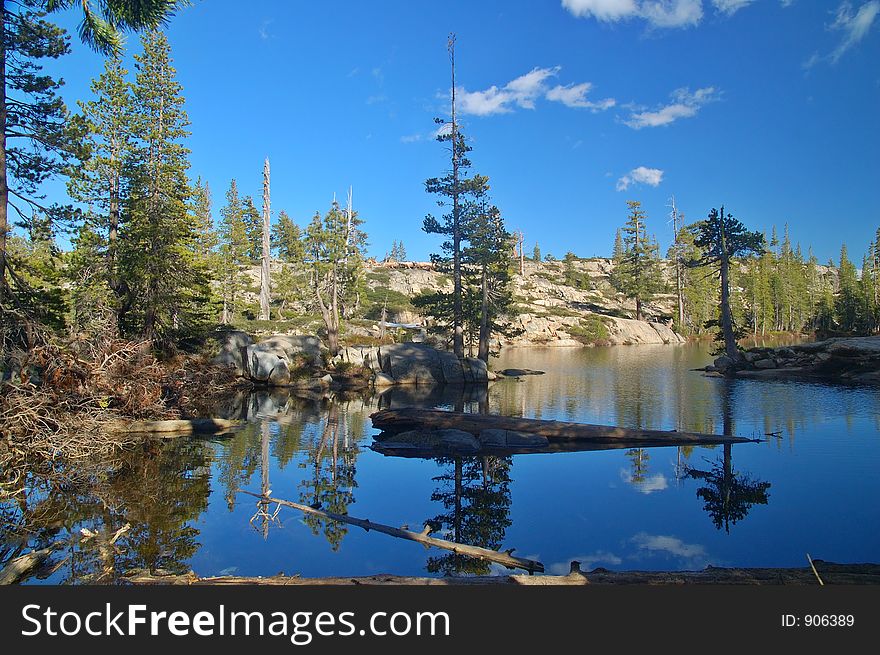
699	290
591	330
286	240
233	252
377	299
398	252
102	28
536	253
637	271
166	279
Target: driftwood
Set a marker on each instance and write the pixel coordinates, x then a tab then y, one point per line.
410	418
505	558
176	426
22	566
837	574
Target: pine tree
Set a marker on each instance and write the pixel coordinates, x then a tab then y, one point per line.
637	275
168	282
102	180
488	255
536	253
38	138
846	305
287	239
253	226
722	237
454	189
233	252
334	251
102	26
699	295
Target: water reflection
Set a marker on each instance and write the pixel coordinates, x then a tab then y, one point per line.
728	496
174	505
137	515
475	496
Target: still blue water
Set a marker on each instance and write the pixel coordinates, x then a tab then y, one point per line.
810	486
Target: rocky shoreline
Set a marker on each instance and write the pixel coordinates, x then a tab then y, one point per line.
839	359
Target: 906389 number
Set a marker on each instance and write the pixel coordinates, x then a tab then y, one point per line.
828	620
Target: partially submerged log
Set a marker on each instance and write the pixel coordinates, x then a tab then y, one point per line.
836	574
177	426
410	418
424	538
23	566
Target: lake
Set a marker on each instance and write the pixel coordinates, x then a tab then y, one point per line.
810	486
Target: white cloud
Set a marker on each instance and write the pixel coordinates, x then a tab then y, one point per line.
526	88
263	30
658	482
684	105
855	26
588	562
524	91
575	95
659	13
673	13
411	138
693	555
605	10
730	7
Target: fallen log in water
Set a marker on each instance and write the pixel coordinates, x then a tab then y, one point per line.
176	426
22	566
505	558
836	574
412	418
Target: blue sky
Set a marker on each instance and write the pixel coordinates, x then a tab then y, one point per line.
572	107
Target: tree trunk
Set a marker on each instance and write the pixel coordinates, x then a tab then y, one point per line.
4	188
483	348
457	329
264	268
730	347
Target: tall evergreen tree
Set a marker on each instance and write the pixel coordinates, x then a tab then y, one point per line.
253	226
722	237
488	253
846	304
699	295
168	283
37	136
287	239
334	250
638	275
101	182
233	252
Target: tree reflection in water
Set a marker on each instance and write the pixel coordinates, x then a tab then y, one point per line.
475	494
728	496
332	483
136	513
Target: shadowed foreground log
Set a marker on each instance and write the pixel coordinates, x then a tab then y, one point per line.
176	426
834	574
412	418
423	537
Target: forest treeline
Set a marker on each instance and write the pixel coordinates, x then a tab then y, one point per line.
153	259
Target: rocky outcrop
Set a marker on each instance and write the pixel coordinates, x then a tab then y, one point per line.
230	346
279	360
845	359
624	331
415	364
